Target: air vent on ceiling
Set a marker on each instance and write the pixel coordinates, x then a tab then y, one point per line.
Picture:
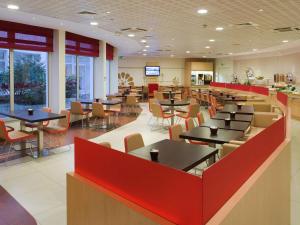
284	29
84	12
247	24
133	29
163	50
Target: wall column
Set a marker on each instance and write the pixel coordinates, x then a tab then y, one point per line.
57	77
114	68
100	72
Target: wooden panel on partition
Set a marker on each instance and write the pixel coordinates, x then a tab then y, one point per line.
265	198
89	204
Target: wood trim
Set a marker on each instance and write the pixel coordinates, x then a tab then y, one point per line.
91	204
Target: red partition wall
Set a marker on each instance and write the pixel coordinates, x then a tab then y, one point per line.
217	84
172	194
256	89
224	178
283	98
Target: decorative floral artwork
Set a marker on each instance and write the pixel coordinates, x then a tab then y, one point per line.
125	79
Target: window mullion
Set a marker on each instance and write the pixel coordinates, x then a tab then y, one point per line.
77	76
11	80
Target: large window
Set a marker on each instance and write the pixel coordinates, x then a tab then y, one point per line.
4	80
30	79
79	78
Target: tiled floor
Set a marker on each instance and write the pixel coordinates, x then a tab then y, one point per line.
40	185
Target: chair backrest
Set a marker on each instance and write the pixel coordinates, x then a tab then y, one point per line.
131	100
158	95
227	148
156	110
200	118
133	141
64	122
211	112
262	107
152	87
48	110
3	131
193	101
98	109
76	108
151	101
105	144
189	124
175	131
264	119
193	110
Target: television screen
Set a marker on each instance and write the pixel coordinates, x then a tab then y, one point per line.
152	70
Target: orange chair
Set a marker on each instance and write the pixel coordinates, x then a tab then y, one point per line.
35	125
192	112
60	127
200	118
189	124
211	112
158	112
76	109
13	137
133	141
175	131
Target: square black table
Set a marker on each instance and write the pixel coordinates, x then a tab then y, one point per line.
203	134
178	155
238	117
245	109
37	117
234	125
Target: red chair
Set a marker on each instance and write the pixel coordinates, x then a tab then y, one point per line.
151	88
211	112
13	137
189	125
200	118
35	125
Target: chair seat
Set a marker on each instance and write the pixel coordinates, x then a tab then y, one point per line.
54	129
16	136
198	142
183	115
182	110
168	115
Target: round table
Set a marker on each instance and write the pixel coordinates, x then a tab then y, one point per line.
172	105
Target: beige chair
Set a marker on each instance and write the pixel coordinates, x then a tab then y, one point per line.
175	131
133	141
191	113
98	112
158	113
77	109
262	107
105	144
189	124
131	103
158	95
114	111
227	148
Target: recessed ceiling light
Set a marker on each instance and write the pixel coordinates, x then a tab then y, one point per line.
207	46
12	6
108	12
94	23
172	56
188	52
204	56
131	35
254	49
212	40
219	28
145	50
230	53
202	11
285	41
173	39
143	40
144	54
147	46
260	10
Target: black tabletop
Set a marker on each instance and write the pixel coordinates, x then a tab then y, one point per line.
176	103
246	109
178	155
203	134
104	102
38	116
238	117
234	125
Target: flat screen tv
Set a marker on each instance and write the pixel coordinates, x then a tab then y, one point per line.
152	70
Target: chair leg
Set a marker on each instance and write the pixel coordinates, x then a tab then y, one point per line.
10	147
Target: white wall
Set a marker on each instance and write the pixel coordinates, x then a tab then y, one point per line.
262	66
169	68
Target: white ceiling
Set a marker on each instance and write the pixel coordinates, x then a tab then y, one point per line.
175	27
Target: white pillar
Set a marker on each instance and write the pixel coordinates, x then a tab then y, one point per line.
57	77
114	67
100	72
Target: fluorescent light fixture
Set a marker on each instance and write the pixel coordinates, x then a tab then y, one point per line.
12	6
131	35
94	23
285	41
219	28
143	40
212	40
188	52
207	46
202	11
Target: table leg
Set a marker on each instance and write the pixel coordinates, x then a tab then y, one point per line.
40	139
172	112
212	159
